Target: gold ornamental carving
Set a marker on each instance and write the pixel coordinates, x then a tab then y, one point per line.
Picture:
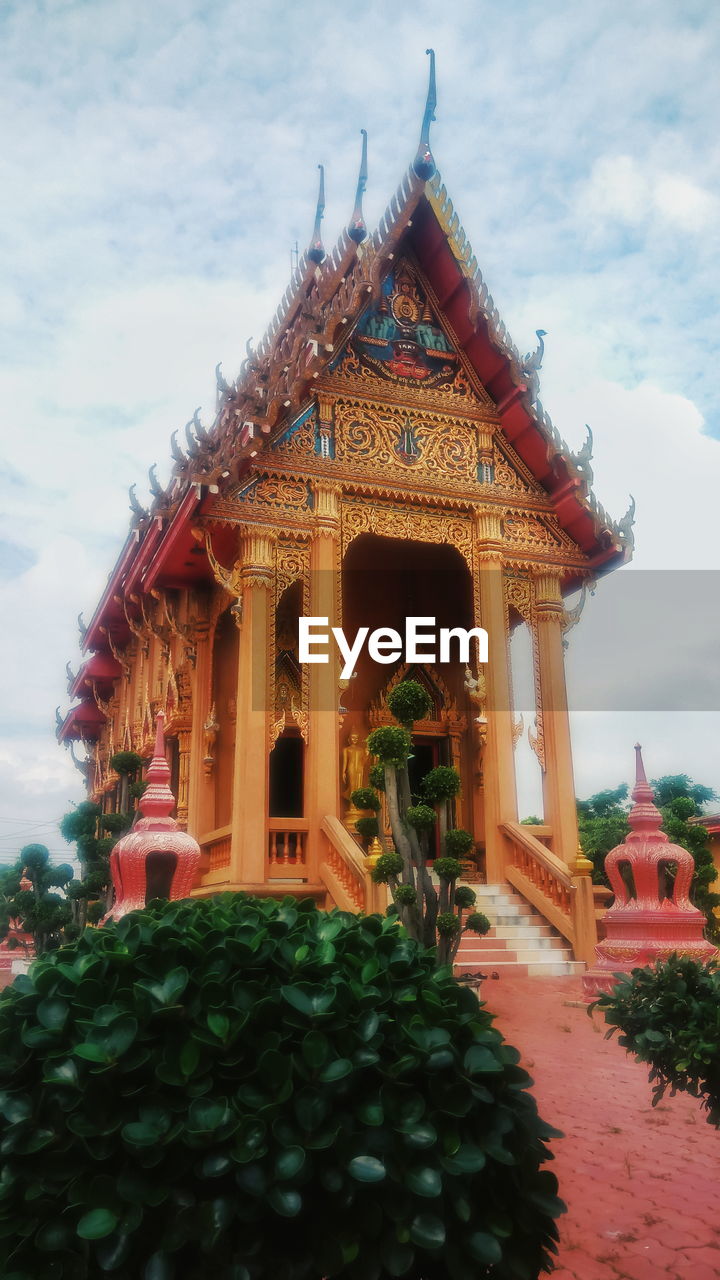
405	443
536	533
278	492
414	525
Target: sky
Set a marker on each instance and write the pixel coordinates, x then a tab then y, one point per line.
158	164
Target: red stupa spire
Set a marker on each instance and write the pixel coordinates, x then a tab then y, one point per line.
644	924
156	858
644	817
157	801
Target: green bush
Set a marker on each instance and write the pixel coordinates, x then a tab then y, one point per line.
421	817
126	762
80	822
408	702
448	868
447	924
458	843
441	783
465	896
391	744
367	828
365	798
406	894
387	865
248	1090
377	777
477	921
668	1017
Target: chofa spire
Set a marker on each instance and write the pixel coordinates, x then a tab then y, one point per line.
357	229
424	164
644	817
316	252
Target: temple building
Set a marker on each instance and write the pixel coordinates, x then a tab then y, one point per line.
382	454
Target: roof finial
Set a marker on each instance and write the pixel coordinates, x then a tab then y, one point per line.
644	815
357	230
424	164
316	252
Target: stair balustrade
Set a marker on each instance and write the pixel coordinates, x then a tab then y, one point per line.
562	896
345	873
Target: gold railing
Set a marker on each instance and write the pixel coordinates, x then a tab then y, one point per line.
287	848
563	897
344	870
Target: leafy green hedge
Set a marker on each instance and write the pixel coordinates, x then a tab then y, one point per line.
244	1089
669	1017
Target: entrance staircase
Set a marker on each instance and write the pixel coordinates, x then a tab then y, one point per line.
519	942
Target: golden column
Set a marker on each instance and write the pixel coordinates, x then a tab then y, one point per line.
322	781
558	781
248	851
500	793
184	740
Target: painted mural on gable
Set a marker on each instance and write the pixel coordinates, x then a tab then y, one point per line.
399	339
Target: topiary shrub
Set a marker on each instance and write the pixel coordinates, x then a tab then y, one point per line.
126	762
391	744
421	817
668	1017
458	843
244	1089
367	828
377	777
365	798
441	783
477	922
408	702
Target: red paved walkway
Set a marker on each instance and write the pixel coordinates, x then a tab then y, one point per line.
641	1183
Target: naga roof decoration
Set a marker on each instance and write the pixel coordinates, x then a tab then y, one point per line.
319	312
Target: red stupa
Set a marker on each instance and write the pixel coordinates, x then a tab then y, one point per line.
156	859
647	926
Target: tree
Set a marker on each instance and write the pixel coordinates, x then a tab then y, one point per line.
668	1017
602	823
95	833
247	1089
41	913
434	919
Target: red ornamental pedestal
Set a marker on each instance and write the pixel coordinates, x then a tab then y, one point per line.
155	859
649	926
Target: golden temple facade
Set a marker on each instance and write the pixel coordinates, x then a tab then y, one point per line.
383	454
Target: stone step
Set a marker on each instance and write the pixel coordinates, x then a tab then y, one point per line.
520	940
523	931
493	958
531	969
541	942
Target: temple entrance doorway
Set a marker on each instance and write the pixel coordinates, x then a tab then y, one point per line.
385	581
286	777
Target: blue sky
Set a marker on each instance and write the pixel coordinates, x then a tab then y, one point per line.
158	163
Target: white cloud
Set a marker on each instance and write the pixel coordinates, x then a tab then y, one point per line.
633	191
